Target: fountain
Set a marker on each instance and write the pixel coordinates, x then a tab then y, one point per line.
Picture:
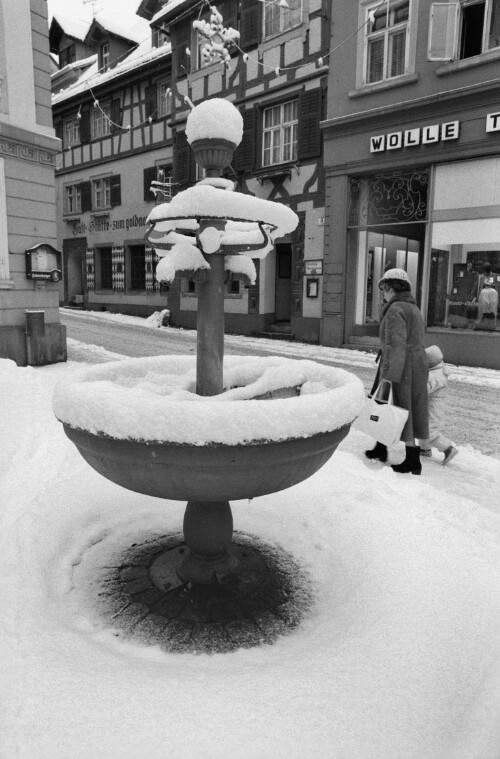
201	429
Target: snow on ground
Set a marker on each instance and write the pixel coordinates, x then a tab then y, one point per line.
400	657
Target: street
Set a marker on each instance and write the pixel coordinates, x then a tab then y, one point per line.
473	407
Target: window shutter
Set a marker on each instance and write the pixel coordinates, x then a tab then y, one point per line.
244	155
229	14
85	125
116	115
151	109
155	38
183	160
115	190
182	41
443	26
310	114
58	127
149	176
251	23
86	196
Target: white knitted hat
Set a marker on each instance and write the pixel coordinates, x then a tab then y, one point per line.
395	274
434	356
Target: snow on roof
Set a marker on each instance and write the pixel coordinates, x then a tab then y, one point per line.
171	6
125	25
139	56
76	28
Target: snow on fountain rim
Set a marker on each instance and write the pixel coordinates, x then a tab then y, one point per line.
215	118
153	399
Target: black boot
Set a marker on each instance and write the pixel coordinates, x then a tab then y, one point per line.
411	463
379	452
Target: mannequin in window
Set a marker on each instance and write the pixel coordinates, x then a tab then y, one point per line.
487	298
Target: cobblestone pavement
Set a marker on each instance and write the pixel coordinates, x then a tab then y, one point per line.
473	409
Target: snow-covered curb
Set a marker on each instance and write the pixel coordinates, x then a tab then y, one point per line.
153	399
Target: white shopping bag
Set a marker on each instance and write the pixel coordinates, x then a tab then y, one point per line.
381	419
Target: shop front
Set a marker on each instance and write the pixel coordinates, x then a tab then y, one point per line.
424	197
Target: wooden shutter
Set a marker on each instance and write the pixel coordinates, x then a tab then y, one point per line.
151	107
229	12
149	176
244	155
58	127
251	23
86	195
85	125
310	112
116	115
443	26
115	190
182	41
183	160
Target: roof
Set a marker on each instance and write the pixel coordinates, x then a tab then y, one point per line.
91	78
76	28
172	9
126	25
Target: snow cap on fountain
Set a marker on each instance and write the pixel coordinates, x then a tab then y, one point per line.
215	118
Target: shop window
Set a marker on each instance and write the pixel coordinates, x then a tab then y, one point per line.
100	121
71	132
386	40
73	199
104	268
463	30
280	124
233	287
137	259
278	17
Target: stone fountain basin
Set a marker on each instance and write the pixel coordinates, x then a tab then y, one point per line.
213	472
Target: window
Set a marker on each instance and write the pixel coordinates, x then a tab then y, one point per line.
73	199
137	267
164	99
104	59
105	262
101	193
67	55
100	124
386	40
464	30
278	17
280	133
71	132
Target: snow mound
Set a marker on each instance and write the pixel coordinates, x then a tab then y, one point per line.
154	399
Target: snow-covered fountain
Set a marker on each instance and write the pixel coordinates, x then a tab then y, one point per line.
201	429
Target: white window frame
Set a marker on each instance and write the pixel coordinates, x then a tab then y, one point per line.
105	53
385	34
71	132
101	193
452	49
100	121
73	198
277	19
164	100
277	135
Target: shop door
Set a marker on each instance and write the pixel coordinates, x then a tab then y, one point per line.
283	308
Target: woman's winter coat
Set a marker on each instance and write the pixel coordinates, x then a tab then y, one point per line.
403	361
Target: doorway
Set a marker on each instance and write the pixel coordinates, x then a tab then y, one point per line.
74	265
283	302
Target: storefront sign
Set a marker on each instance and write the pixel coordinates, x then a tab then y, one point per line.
416	136
313	267
493	122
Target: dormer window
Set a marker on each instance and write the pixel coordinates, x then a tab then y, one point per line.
67	55
104	58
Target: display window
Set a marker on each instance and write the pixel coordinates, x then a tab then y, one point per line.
464	271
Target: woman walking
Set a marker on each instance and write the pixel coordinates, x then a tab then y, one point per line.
403	362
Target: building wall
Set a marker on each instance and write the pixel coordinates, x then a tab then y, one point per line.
27	159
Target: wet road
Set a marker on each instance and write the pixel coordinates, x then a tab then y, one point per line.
473	410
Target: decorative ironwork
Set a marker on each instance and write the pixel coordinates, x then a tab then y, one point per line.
388	198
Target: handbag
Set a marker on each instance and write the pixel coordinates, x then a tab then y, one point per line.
381	419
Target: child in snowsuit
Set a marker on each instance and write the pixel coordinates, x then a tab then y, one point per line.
436	388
